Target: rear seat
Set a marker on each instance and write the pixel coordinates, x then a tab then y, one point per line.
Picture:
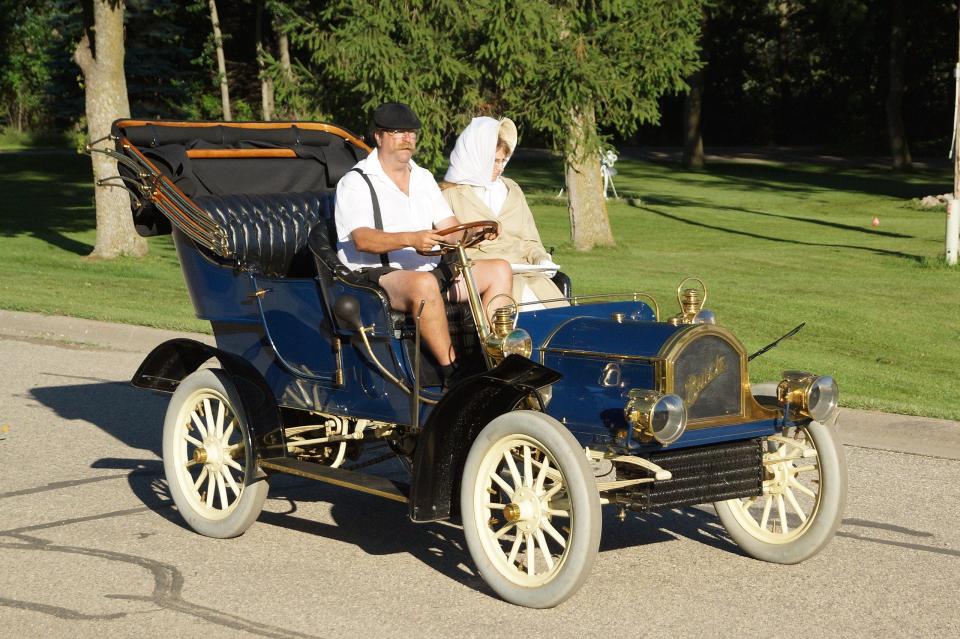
268	233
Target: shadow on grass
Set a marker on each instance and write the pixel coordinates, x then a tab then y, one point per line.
817	178
713	227
537	172
63	242
46	197
680	202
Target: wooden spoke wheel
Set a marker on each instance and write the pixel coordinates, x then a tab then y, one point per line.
209	470
804	493
531	510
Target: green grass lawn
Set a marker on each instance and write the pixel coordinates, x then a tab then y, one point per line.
775	244
47	227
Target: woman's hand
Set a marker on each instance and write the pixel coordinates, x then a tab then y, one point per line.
548	262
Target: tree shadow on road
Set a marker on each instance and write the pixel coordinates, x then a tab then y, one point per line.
376	526
641	529
132	415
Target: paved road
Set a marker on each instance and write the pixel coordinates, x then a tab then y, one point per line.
90	545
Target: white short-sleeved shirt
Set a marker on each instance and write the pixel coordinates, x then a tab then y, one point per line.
419	211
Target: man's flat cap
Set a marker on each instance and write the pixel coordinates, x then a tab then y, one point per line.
395	115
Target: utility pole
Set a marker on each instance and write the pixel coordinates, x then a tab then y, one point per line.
953	206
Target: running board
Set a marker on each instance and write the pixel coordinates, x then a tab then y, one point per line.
372	484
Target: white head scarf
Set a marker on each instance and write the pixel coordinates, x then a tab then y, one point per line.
472	159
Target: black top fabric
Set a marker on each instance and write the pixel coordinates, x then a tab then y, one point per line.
395	115
322	158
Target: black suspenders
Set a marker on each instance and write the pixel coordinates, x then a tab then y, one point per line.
377	220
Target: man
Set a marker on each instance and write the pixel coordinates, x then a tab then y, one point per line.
412	210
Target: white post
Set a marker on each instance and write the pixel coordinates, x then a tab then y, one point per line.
953	231
953	206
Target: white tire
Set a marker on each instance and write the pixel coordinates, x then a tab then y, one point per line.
805	491
208	468
531	510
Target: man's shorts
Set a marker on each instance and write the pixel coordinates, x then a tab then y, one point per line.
444	272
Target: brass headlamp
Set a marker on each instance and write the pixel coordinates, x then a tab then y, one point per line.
653	415
808	394
504	339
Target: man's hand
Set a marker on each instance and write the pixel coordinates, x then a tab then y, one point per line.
425	240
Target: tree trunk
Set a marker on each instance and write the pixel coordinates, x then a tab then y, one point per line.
899	150
266	82
267	98
221	62
692	135
99	54
783	125
589	225
283	45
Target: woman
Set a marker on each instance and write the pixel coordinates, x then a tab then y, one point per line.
476	190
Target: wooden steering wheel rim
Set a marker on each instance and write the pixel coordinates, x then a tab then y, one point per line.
462	227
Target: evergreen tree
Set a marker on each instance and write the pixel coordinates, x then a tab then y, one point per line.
566	68
26	55
367	52
573	69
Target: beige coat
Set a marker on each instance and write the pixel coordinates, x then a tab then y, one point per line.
518	242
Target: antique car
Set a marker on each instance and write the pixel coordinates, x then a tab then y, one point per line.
568	409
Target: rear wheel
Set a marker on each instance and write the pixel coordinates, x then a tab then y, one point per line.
208	467
804	493
531	510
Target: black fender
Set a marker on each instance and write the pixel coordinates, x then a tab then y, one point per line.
454	424
170	362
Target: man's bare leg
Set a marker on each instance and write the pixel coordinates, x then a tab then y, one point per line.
406	289
493	278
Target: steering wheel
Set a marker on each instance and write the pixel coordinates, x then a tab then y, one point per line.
483	227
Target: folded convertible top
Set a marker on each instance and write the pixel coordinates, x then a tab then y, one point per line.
165	164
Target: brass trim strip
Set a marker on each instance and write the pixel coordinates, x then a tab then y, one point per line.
553	333
598	354
295	467
240	153
310	126
726	420
576	300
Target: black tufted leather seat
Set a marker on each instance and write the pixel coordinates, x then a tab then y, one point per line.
323	245
265	232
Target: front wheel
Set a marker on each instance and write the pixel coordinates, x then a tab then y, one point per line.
208	467
804	493
531	510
